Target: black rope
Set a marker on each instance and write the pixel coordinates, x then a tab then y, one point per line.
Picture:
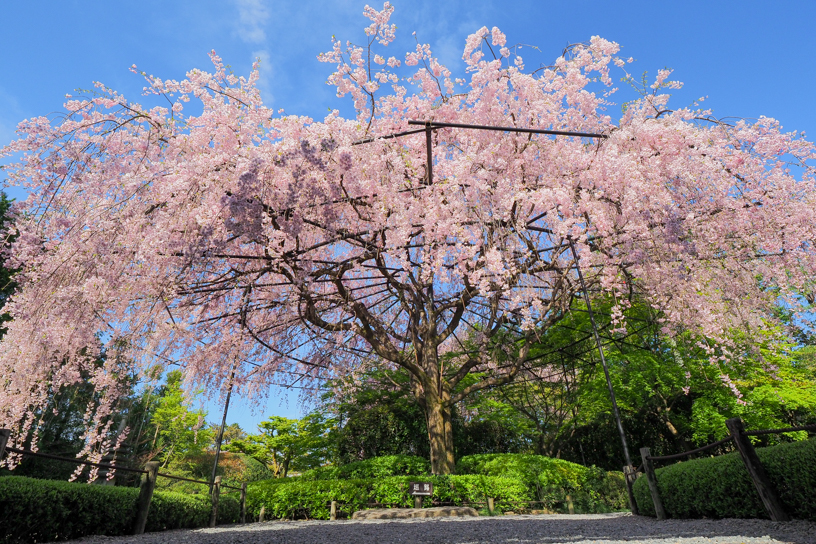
68	459
811	427
691	452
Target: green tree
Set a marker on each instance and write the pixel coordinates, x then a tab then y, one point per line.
284	444
175	429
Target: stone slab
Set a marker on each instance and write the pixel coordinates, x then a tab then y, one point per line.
406	513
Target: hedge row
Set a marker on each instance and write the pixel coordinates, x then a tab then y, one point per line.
34	510
720	487
310	499
549	480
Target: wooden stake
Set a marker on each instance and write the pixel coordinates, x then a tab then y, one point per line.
216	492
333	512
145	495
761	481
490	508
651	478
243	502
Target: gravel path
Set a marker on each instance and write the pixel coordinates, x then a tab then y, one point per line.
523	529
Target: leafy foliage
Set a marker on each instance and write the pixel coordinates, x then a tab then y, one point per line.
234	469
376	467
720	487
177	429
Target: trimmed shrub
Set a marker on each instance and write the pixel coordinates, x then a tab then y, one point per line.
720	487
34	510
550	480
44	510
310	499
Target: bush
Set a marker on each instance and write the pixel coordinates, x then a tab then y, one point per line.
720	487
550	480
45	510
310	499
509	478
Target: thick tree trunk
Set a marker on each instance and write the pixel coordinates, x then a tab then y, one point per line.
434	396
440	434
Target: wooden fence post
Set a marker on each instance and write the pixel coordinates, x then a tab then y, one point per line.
4	436
417	501
630	475
215	493
243	502
261	514
145	494
490	508
651	479
757	472
570	506
333	512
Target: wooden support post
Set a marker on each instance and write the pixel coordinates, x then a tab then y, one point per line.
490	508
145	495
243	502
630	476
417	501
570	506
333	511
651	479
761	481
261	515
4	436
215	494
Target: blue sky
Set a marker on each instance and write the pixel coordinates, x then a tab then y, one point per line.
750	58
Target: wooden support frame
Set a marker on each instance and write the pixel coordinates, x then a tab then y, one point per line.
763	484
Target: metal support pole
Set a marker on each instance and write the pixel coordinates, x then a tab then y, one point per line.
630	475
221	430
429	151
603	359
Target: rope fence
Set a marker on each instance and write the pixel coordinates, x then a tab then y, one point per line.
149	476
739	436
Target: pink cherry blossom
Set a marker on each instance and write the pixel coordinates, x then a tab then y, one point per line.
238	234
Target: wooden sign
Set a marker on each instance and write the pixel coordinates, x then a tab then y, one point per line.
420	488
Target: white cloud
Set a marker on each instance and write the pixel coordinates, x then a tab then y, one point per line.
265	73
252	16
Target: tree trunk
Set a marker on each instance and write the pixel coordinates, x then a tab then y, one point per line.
440	434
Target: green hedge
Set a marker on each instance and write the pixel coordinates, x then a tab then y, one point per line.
513	480
309	499
719	487
376	467
34	510
549	480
